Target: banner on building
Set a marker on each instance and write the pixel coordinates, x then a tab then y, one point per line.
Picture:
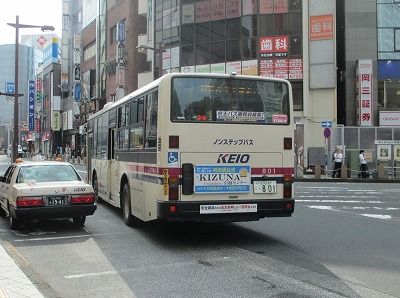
31	99
321	27
56	121
389	118
277	46
364	92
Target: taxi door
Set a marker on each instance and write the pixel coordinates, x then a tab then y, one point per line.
6	189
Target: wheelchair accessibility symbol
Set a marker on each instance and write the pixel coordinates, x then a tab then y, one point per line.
173	159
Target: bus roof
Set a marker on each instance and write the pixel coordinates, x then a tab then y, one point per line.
177	74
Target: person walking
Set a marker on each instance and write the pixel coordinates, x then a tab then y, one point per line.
363	164
338	159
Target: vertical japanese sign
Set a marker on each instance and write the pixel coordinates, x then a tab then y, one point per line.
364	92
38	91
31	100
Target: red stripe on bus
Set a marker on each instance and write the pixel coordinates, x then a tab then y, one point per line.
178	171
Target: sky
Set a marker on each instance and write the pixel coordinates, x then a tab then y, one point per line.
30	12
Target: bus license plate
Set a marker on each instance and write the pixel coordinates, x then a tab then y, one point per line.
56	201
264	186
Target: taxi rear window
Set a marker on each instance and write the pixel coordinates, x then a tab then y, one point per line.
47	173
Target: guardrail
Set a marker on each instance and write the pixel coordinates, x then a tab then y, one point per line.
320	172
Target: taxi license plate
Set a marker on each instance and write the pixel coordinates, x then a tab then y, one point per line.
56	201
264	186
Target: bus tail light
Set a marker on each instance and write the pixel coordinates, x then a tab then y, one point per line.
174	142
287	144
287	186
173	193
83	199
29	201
172	208
187	178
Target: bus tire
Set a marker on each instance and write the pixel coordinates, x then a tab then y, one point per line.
129	219
95	184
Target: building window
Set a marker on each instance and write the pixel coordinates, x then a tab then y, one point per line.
202	32
187	58
187	34
142	24
232	26
297	88
249	48
266	25
217	52
249	26
233	50
203	54
89	51
397	39
113	34
218	30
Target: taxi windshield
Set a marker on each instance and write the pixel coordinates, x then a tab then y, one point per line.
47	173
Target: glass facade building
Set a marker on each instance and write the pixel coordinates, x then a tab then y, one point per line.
255	37
388	20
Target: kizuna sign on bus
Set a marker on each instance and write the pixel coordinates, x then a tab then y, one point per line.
217	179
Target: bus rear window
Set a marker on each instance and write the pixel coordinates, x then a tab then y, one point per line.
229	100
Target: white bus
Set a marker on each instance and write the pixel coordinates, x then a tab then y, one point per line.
196	147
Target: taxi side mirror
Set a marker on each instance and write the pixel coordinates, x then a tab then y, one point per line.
2	179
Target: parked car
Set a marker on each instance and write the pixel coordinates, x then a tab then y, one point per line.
44	189
20	151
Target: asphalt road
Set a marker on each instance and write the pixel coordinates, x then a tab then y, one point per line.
337	244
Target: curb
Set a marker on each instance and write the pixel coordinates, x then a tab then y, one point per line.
349	180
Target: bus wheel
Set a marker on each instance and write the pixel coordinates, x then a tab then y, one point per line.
129	219
95	185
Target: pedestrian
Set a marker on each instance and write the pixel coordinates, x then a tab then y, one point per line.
338	159
363	164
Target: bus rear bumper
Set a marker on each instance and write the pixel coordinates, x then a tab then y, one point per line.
190	211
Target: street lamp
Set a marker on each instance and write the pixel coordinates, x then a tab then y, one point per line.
142	48
17	26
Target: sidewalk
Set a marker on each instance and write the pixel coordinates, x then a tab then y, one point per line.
13	282
323	178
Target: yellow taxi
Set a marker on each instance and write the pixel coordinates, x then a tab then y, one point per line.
44	189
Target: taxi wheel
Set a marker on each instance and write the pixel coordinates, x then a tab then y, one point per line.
129	219
14	223
3	212
79	220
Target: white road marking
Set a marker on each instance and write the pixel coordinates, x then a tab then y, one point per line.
65	237
321	207
90	274
379	216
339	201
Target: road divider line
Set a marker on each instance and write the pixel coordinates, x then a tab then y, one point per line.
65	237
